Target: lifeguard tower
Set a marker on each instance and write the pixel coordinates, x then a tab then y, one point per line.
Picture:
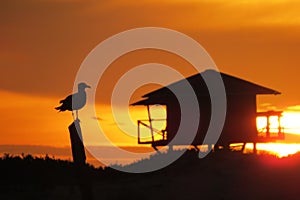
240	122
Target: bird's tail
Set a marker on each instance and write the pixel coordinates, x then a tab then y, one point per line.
58	108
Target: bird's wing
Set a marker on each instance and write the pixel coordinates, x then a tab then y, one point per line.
79	100
66	100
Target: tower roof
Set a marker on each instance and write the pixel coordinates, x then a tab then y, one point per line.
233	86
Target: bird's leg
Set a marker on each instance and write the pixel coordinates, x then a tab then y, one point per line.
73	115
76	114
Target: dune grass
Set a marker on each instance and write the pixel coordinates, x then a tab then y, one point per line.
220	175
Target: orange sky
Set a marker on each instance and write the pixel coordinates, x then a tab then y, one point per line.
44	42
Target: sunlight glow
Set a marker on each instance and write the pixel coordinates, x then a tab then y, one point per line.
278	149
290	123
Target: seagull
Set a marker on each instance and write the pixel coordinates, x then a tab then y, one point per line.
74	101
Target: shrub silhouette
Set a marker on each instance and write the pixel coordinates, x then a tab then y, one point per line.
221	175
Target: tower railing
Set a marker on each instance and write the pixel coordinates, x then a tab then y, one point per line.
268	132
154	133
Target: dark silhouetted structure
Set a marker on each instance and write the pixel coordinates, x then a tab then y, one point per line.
74	101
77	146
240	122
79	159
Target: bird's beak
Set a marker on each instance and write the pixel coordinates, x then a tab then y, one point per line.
87	86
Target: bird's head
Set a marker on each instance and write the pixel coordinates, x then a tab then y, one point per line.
82	86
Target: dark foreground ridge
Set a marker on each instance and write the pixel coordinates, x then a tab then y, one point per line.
221	175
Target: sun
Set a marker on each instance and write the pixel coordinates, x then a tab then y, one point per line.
291	122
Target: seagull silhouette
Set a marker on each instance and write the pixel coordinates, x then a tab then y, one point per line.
74	101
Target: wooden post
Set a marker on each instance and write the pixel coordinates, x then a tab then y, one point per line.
79	159
78	152
243	147
268	127
279	125
254	148
215	147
